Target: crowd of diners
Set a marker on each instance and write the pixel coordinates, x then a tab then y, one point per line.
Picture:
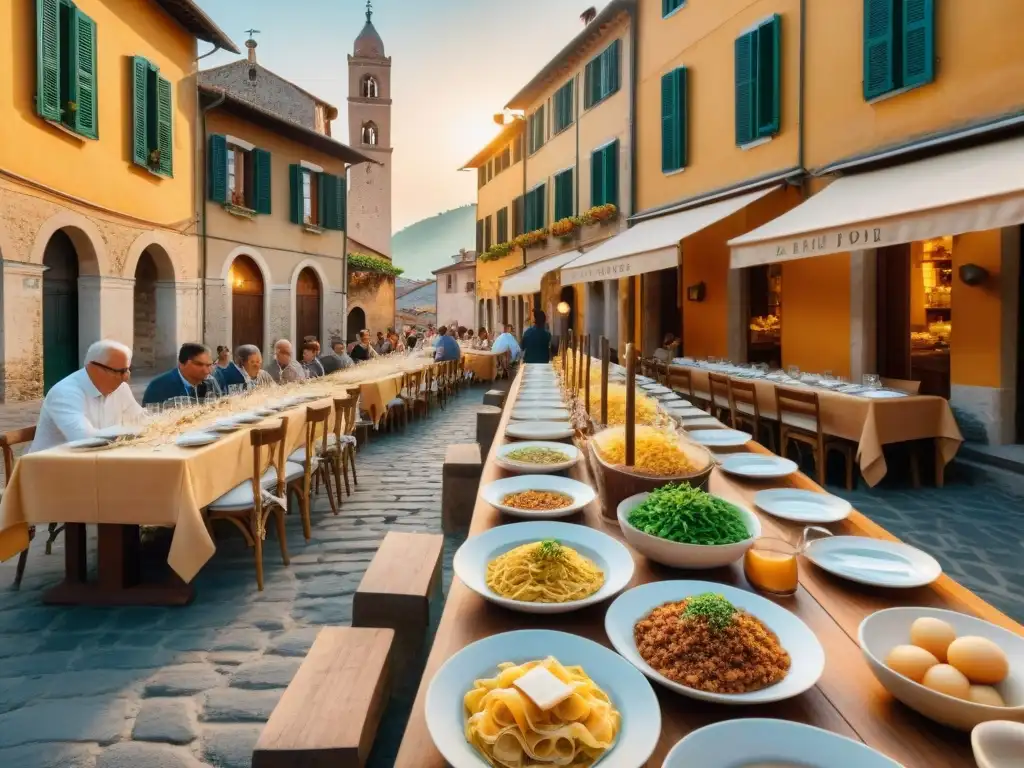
98	396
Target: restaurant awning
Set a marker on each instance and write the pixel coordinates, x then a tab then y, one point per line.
653	244
528	280
966	191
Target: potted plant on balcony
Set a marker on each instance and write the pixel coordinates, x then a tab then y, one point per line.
601	214
567	228
528	239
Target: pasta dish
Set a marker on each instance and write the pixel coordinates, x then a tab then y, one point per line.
544	572
509	729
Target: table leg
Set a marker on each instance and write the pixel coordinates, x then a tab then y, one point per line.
940	468
74	553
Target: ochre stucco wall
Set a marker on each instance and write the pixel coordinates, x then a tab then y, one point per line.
975	350
816	314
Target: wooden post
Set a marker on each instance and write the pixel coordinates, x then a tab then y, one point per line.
630	406
579	372
586	378
606	356
565	355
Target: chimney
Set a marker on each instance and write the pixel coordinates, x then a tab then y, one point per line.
251	45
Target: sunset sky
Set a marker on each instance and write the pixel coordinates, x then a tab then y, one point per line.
455	63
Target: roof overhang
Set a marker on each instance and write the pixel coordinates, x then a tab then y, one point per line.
194	19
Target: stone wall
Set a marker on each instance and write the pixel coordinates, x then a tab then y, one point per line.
375	295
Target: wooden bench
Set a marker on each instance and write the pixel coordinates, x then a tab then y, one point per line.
396	589
487	419
495	397
330	712
460	480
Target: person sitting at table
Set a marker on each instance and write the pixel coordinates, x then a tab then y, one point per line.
363	350
92	398
482	341
537	341
192	378
283	368
246	370
331	359
312	366
397	345
506	342
669	348
223	358
447	346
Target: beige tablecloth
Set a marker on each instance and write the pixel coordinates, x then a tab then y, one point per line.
375	395
868	422
482	363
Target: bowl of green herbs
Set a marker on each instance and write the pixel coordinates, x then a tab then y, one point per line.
684	527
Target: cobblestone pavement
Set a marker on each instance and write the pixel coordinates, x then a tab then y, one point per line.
188	687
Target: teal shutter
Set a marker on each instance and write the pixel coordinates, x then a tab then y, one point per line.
683	131
542	206
295	193
745	77
261	180
667	6
343	202
164	125
918	65
519	216
323	193
48	59
596	177
613	69
502	235
217	168
588	84
878	48
140	127
83	72
479	236
670	160
769	64
610	187
563	195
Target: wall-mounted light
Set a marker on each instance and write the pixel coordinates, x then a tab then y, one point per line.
972	274
563	308
696	292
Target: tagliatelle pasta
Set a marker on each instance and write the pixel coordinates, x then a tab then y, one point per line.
509	730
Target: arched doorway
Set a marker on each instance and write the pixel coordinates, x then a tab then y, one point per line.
60	309
356	323
307	304
491	325
154	342
246	302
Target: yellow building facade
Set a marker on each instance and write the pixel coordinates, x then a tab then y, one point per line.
97	182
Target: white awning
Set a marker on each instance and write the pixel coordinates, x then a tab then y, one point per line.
653	244
967	191
528	280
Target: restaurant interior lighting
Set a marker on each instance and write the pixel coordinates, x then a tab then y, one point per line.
563	308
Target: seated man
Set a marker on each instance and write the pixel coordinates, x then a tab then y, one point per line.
506	342
447	347
363	350
537	341
283	368
245	370
331	359
90	399
192	378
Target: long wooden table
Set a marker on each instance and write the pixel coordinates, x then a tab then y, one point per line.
847	699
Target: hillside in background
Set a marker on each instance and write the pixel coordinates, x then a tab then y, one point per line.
429	244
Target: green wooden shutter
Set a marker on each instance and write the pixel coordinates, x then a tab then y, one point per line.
670	122
610	186
295	193
542	206
596	177
217	168
563	195
323	192
261	179
502	234
745	82
519	216
83	72
613	73
878	48
588	84
769	65
331	201
479	235
343	202
164	125
918	65
48	59
683	131
140	127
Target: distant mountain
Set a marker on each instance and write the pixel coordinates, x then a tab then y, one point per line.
429	244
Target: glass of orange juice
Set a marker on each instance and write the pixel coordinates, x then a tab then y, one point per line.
770	564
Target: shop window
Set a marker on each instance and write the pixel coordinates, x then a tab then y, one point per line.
931	313
899	45
764	289
757	75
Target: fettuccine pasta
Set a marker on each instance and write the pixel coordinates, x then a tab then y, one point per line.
511	731
544	572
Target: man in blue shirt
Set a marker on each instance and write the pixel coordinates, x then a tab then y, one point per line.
447	347
537	340
190	379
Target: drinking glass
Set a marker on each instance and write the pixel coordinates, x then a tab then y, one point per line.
770	564
153	409
234	389
793	371
181	402
871	381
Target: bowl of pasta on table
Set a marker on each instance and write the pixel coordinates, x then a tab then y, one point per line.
544	567
534	698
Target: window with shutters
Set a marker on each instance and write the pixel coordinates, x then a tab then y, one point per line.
481	176
601	76
668	7
604	175
757	73
501	220
238	175
309	198
564	201
564	108
152	117
673	120
536	130
517	150
317	200
66	90
519	216
479	235
449	283
899	46
487	233
536	208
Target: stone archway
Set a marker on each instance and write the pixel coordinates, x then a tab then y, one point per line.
154	339
60	309
356	323
248	291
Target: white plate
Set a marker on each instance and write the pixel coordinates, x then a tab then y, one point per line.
658	389
226	425
882	394
725	438
802	506
668	398
688	411
572	454
758	466
645	380
248	418
609	555
89	443
874	561
529	413
112	433
629	693
581	494
806	654
545	404
538	399
539	430
196	439
264	412
760	741
703	423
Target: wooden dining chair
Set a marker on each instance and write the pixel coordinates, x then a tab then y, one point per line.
345	440
904	385
661	368
799	415
745	411
680	380
247	506
312	456
649	367
8	442
719	386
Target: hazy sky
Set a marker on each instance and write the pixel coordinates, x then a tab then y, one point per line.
454	64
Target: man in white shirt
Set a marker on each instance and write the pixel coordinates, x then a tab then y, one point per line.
506	342
90	399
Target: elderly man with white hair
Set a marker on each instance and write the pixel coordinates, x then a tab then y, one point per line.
283	367
92	398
